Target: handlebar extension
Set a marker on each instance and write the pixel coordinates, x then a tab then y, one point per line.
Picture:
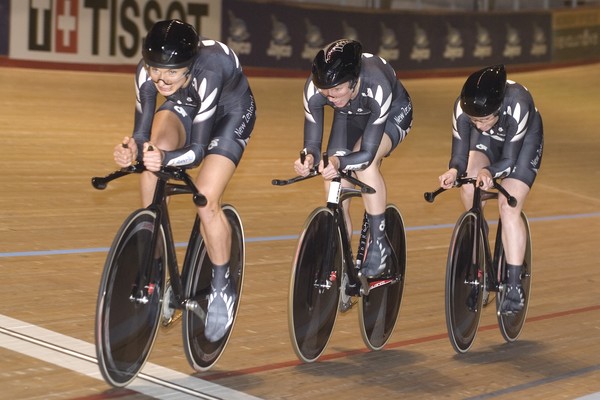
430	196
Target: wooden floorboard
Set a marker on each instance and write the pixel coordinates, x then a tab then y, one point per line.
58	130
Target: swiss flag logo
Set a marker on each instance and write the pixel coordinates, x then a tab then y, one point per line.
67	13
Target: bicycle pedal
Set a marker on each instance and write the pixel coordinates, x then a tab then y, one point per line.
193	306
346	306
365	288
169	321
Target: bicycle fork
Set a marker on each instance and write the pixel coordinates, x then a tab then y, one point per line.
146	283
474	274
365	287
326	275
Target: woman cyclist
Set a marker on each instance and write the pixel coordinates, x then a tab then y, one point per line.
497	133
372	115
207	117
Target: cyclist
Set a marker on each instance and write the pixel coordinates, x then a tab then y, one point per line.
372	115
498	133
207	117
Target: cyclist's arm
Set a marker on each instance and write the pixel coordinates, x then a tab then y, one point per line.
145	106
461	135
314	104
371	139
391	108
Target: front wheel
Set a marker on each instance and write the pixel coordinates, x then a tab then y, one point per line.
128	306
378	311
511	326
315	285
465	271
201	353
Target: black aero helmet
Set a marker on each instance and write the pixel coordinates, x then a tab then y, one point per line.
337	63
170	44
483	91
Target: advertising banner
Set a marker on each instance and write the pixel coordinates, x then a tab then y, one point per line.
288	36
4	18
576	35
98	31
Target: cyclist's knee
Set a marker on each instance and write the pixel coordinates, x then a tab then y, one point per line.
208	212
506	210
510	215
466	195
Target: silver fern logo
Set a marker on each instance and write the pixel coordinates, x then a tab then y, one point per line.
279	46
420	50
454	44
389	44
512	48
313	40
483	47
539	47
239	36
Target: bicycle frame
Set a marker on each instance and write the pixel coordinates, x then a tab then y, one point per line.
337	194
493	283
162	191
335	201
472	271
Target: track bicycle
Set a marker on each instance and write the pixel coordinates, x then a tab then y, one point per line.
326	277
135	296
472	271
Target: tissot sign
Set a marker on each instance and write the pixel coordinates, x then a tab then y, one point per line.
103	31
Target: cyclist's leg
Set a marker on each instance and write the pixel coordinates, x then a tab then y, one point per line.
477	160
226	142
215	173
379	248
217	169
518	184
515	234
375	203
514	239
168	133
513	228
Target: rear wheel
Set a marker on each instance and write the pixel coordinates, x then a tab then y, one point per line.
511	326
201	353
315	285
464	284
378	311
128	306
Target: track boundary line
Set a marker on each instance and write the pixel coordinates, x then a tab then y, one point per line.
282	237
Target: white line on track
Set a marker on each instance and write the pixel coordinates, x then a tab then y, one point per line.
80	357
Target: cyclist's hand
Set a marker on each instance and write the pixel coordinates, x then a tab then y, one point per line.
125	152
304	169
484	179
331	170
448	178
153	157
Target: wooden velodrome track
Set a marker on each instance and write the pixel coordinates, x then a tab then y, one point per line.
58	130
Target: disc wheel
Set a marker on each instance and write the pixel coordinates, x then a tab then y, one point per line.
201	353
378	311
127	316
315	285
464	284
